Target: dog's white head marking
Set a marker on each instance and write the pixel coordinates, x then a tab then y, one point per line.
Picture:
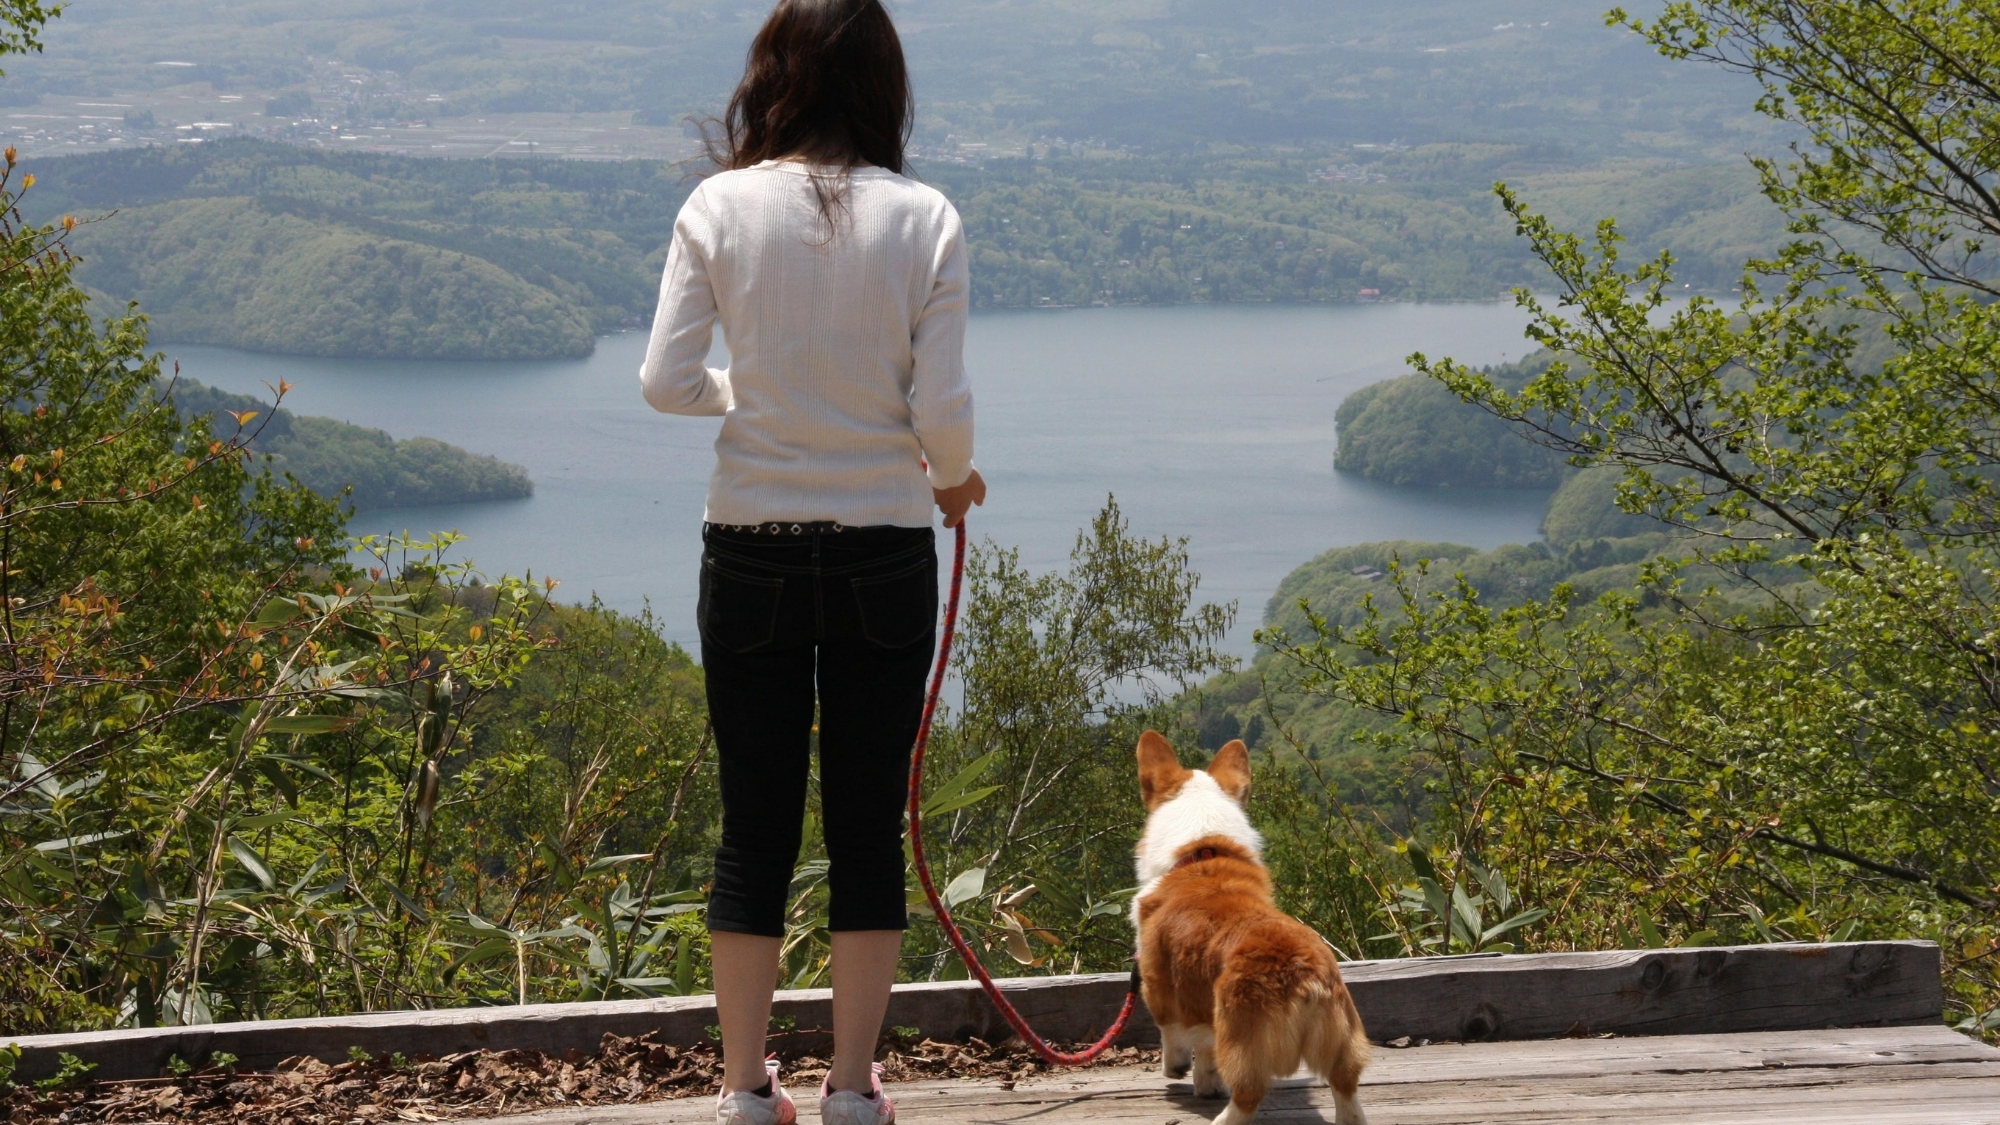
1200	809
1198	805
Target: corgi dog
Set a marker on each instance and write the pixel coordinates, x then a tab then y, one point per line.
1243	992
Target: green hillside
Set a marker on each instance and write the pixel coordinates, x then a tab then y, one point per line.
1586	508
1420	224
329	456
294	250
1337	584
233	271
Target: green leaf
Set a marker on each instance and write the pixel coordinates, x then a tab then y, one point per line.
252	862
1649	932
306	879
301	766
1496	888
475	924
959	781
334	886
650	986
1420	861
485	951
970	884
558	863
83	784
308	724
279	779
606	863
267	820
1435	899
71	843
1973	1025
45	781
1525	918
939	808
277	612
1756	914
1466	922
236	952
419	913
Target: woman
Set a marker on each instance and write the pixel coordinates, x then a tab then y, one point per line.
841	288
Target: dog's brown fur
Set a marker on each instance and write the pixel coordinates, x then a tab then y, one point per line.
1243	992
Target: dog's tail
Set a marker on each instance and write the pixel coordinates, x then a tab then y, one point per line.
1280	1004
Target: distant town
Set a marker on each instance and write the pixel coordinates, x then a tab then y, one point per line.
345	106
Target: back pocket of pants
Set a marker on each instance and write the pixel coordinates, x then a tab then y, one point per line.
737	611
900	609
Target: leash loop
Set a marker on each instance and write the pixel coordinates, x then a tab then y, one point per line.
1007	1010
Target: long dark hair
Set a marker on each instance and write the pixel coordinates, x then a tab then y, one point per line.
825	82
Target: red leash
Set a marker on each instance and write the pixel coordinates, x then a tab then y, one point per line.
958	942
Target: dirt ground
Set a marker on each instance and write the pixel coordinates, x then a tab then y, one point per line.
367	1091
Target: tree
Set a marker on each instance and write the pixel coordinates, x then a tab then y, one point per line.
1035	811
21	23
241	776
1792	727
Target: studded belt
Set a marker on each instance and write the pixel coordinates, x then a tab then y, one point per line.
803	527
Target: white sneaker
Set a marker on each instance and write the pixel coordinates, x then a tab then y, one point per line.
745	1107
845	1107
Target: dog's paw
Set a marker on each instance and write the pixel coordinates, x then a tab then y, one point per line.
1233	1115
1207	1079
1175	1068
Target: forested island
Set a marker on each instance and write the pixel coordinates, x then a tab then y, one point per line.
1414	432
299	251
343	461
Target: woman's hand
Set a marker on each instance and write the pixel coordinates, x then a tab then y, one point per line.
954	502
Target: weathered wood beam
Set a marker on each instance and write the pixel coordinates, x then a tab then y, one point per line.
1651	991
1529	996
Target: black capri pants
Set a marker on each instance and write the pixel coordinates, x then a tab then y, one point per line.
846	618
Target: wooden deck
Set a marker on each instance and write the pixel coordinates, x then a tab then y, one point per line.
1877	1076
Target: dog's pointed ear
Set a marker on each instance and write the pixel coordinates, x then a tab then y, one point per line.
1231	769
1160	771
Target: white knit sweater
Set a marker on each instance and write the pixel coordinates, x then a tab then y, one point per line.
846	366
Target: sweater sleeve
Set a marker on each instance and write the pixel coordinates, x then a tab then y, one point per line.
940	396
675	377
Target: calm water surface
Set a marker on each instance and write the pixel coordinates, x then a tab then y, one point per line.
1209	422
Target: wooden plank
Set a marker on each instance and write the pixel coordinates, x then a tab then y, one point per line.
1775	1050
1947	1093
1650	992
1528	996
1892	1076
1067	1008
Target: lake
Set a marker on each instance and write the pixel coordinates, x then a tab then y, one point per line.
1213	422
